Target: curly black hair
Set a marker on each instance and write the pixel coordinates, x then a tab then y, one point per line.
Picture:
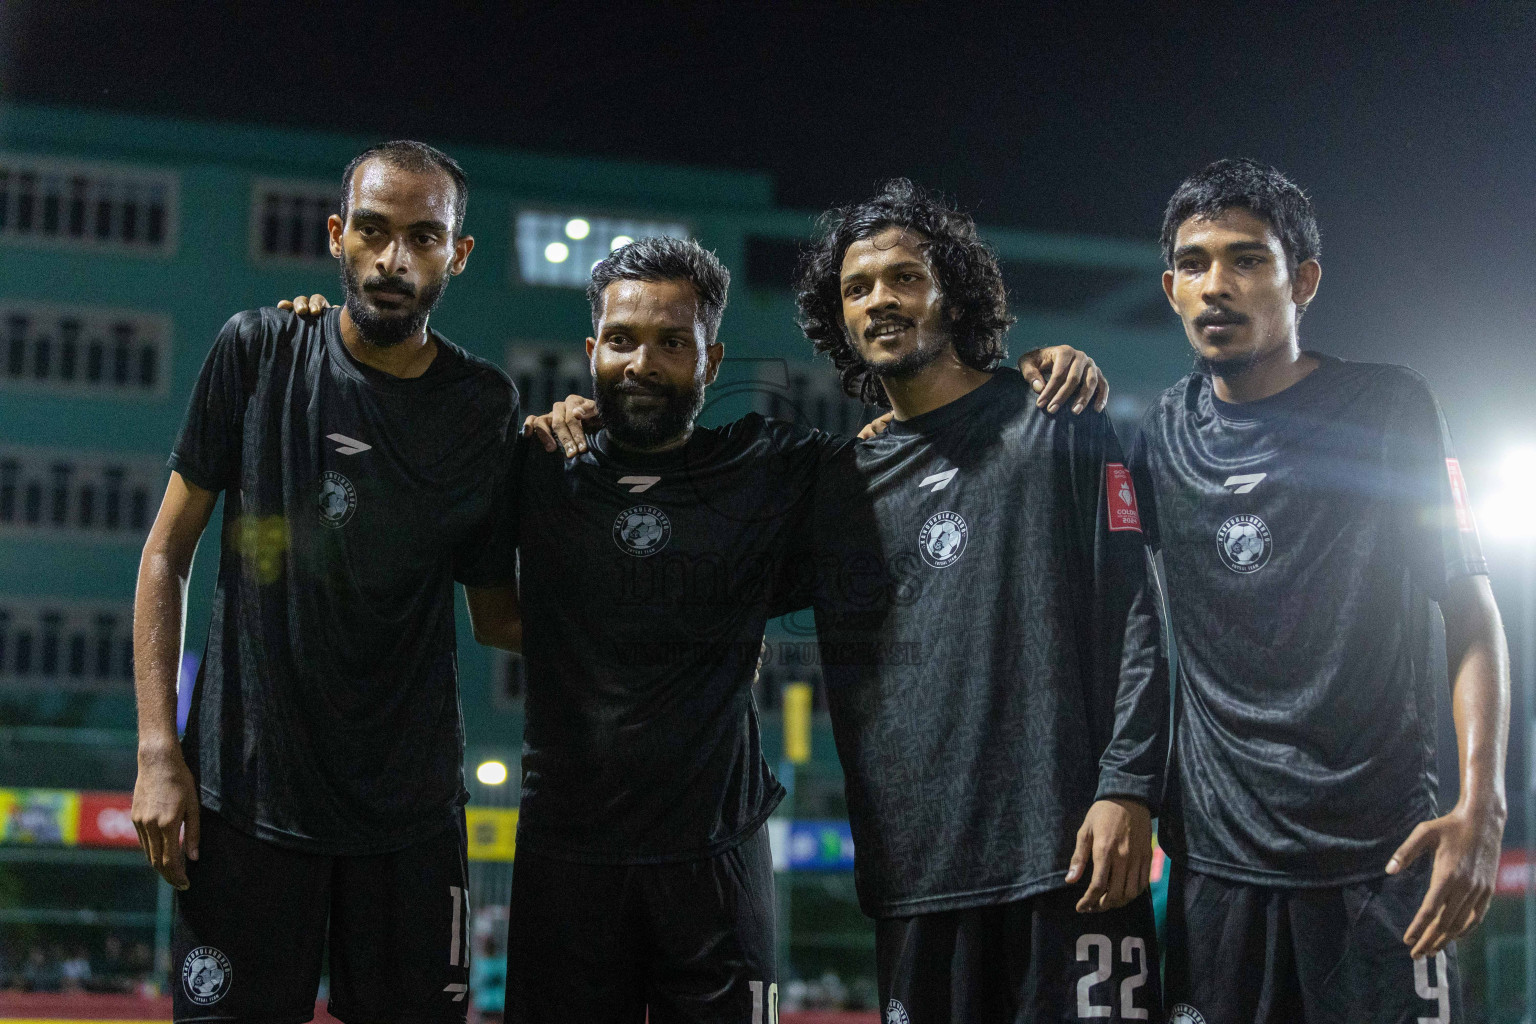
965	266
1248	184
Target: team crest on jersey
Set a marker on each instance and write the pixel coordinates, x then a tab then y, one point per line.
206	975
1183	1013
642	530
895	1013
942	540
337	501
1244	543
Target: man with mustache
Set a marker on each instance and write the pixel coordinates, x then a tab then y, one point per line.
643	881
979	568
317	798
1311	514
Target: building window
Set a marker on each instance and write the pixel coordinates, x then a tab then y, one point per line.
545	374
97	207
82	351
560	248
65	645
59	494
288	220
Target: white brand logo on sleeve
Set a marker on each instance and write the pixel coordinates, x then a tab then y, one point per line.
939	481
348	445
640	483
206	975
1244	482
895	1013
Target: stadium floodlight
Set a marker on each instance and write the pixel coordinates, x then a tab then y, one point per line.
556	252
492	773
619	240
577	228
1509	512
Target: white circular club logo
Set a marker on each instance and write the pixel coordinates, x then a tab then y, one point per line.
1183	1013
1244	543
337	500
895	1013
942	540
206	975
642	530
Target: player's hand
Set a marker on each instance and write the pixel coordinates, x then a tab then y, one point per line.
876	426
165	813
1466	843
1075	377
1116	838
302	305
562	426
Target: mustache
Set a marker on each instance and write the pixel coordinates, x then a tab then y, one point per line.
1218	316
380	283
875	326
635	387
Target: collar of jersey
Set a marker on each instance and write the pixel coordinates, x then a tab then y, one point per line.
673	458
1280	403
330	330
960	408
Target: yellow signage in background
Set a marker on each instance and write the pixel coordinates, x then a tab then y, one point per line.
492	832
797	723
49	817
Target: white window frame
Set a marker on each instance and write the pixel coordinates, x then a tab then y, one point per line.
310	188
152	330
119	175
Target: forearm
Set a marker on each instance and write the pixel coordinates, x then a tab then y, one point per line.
158	620
1478	659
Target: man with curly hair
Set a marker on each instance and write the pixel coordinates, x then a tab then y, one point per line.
979	570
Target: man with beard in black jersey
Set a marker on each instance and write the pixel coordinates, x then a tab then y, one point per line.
988	640
317	799
643	879
1311	515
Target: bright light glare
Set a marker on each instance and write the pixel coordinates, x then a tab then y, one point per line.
619	240
576	229
556	252
1510	511
492	773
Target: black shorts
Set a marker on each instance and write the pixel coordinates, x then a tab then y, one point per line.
1248	953
250	932
1030	960
692	941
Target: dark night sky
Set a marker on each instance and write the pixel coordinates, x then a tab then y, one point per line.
1411	125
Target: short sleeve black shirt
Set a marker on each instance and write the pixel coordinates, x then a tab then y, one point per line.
979	569
1304	536
646	582
326	713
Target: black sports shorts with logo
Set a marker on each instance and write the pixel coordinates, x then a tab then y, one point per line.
1028	961
692	940
250	931
1251	954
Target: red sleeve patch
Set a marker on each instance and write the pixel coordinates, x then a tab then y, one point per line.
1464	521
1124	513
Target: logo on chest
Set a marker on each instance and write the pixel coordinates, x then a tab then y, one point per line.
642	530
1244	543
337	500
942	539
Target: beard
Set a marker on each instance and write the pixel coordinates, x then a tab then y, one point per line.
652	427
384	329
909	364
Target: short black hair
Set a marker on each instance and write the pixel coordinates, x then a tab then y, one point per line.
419	158
664	258
965	266
1250	185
